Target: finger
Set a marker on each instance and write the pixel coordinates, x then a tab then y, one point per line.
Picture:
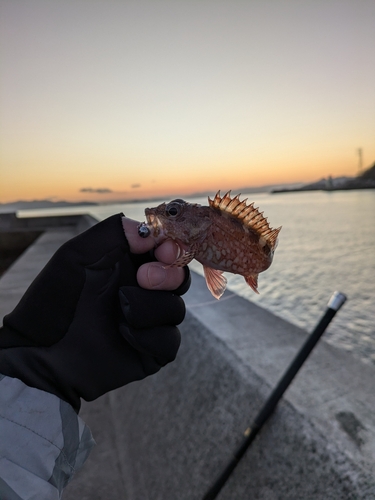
167	252
136	243
147	309
155	276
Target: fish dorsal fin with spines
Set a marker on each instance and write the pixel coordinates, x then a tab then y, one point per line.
248	215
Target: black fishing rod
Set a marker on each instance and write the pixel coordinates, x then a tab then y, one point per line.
334	304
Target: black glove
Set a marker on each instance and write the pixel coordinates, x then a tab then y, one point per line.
84	326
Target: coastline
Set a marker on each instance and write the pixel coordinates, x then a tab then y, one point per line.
328	189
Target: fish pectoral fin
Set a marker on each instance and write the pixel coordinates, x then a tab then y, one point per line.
252	281
215	280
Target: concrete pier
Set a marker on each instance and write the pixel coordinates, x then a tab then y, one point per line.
169	436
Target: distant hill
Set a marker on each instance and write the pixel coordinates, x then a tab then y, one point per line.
31	205
369	173
365	180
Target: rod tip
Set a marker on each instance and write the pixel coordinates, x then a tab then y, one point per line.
336	301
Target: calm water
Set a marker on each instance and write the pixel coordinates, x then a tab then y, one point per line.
327	243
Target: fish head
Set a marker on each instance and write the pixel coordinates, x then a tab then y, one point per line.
177	220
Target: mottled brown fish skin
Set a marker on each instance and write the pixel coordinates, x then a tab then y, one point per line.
227	235
230	246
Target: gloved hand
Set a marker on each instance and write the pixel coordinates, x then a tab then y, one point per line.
85	326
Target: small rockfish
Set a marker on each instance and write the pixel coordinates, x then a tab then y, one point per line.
228	235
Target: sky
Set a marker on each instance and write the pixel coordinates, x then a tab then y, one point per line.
104	100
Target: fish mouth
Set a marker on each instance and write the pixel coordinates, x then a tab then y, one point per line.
153	221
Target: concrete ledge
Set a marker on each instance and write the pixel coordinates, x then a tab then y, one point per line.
53	233
10	222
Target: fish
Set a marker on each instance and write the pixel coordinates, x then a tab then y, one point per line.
228	235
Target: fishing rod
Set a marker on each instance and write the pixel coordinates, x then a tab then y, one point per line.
334	304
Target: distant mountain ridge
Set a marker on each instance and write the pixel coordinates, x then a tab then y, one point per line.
34	204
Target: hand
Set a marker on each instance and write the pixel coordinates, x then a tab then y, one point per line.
85	326
154	275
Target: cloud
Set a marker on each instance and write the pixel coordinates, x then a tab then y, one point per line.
96	190
135	186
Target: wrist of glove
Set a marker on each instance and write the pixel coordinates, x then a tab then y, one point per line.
84	326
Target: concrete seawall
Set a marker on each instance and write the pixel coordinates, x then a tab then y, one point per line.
168	437
177	430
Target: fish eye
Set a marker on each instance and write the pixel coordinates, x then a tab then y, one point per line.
173	209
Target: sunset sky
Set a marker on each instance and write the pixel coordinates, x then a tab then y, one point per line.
110	100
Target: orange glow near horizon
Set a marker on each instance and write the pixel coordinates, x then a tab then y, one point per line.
145	100
73	185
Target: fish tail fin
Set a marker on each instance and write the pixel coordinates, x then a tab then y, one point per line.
252	281
215	280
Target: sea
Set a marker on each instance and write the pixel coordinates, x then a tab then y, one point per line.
327	244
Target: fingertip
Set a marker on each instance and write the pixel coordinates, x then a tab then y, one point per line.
168	252
137	244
